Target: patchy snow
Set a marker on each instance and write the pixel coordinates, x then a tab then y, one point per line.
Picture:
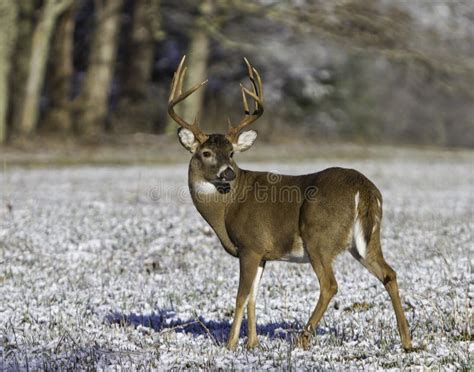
112	267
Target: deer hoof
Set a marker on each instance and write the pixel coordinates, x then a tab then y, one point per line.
303	341
231	345
408	347
252	343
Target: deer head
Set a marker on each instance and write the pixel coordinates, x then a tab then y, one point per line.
213	153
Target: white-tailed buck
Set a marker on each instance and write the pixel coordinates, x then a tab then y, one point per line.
260	216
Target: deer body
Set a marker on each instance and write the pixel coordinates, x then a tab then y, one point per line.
242	218
260	216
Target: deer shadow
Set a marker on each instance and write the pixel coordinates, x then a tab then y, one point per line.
218	330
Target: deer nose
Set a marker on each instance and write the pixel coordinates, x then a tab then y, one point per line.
227	174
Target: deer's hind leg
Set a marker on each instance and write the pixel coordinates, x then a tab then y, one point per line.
375	263
322	266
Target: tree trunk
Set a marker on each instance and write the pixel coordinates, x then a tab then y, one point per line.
135	110
8	16
61	70
93	99
139	60
21	56
37	68
196	61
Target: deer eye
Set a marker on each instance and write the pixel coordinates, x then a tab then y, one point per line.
206	154
231	154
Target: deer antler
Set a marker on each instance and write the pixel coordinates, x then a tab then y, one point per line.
257	95
176	96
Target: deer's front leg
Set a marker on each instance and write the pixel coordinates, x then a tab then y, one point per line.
249	263
252	340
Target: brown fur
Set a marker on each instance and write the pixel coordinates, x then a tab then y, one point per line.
256	231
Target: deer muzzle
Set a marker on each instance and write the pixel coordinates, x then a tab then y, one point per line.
227	174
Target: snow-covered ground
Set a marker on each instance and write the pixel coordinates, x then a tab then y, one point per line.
112	266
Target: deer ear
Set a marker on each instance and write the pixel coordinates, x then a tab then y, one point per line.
245	140
188	140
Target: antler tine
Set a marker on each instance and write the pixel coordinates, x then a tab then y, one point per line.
244	101
256	94
251	70
175	84
172	88
260	86
176	96
180	80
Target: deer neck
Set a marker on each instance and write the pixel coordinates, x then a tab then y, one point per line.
212	205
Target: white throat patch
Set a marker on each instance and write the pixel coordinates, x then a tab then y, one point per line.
203	187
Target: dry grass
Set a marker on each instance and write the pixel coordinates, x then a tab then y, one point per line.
163	149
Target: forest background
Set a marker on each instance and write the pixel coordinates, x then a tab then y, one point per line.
97	72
